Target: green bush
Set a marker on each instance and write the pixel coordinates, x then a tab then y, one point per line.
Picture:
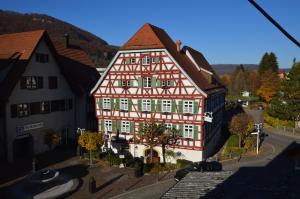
147	168
234	151
277	122
180	163
113	159
233	141
250	142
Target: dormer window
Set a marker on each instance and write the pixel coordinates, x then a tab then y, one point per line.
146	60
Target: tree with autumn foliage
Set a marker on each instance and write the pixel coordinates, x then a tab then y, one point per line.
90	141
270	84
242	125
151	136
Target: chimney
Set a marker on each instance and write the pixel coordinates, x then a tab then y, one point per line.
178	43
67	38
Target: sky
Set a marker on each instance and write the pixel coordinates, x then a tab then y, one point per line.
225	31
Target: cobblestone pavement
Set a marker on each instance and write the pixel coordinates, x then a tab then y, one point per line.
196	185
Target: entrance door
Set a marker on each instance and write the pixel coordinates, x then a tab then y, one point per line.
155	156
23	148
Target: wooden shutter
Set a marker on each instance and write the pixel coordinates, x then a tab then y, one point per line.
181	130
141	125
196	107
139	104
100	103
131	127
131	83
117	104
102	125
129	104
35	108
172	82
152	105
196	132
153	82
158	106
140	83
13	110
119	83
40	83
113	126
119	125
111	103
173	106
23	83
158	83
180	106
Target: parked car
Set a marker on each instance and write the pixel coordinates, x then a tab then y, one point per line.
198	166
260	108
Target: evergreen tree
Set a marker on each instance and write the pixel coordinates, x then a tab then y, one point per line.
263	65
268	62
273	64
286	105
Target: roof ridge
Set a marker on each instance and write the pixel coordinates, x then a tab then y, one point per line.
24	32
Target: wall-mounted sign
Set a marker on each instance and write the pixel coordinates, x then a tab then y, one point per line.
28	127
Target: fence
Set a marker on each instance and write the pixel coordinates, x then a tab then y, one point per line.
288	130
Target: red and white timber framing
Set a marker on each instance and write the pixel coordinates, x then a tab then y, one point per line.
166	69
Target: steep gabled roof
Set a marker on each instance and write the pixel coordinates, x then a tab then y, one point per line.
17	49
152	37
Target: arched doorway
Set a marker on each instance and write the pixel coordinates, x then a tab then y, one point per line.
155	156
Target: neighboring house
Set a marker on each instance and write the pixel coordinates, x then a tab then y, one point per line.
44	86
245	93
152	79
281	74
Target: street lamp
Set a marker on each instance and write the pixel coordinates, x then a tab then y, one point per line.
258	127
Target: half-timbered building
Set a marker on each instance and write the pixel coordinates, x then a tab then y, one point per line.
153	79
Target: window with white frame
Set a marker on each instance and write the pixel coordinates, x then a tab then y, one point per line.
168	126
132	60
166	106
106	103
23	110
146	105
147	82
166	83
188	131
125	127
124	104
188	107
146	60
108	125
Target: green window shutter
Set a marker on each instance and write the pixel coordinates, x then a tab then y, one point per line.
119	125
158	106
158	83
139	104
113	126
173	106
131	83
129	104
172	82
196	132
180	106
119	83
181	130
111	103
102	125
100	103
140	83
196	107
141	125
153	105
131	127
117	104
153	82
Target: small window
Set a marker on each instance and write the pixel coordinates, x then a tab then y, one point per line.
45	107
125	127
52	82
146	60
168	126
155	60
188	131
166	106
41	58
132	60
108	126
125	83
188	107
146	105
106	103
166	83
124	104
147	82
23	110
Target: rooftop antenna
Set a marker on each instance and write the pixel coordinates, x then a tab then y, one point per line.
290	37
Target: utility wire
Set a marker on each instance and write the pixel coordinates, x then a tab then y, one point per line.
290	37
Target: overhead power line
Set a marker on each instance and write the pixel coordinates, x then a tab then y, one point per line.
290	37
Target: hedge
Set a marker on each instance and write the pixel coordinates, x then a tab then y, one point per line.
275	122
